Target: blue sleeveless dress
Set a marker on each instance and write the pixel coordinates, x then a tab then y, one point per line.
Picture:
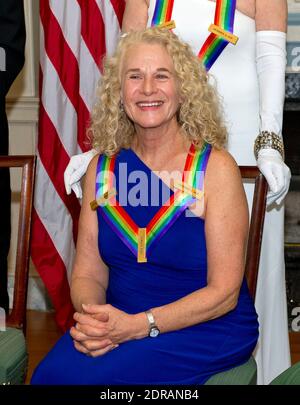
176	266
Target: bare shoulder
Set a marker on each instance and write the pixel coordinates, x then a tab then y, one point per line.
224	195
223	181
221	168
221	156
93	165
90	177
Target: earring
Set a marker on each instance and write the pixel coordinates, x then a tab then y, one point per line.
121	106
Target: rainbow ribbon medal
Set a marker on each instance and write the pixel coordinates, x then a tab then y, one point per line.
221	33
141	240
162	12
221	30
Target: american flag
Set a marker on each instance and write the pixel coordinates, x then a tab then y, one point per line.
74	37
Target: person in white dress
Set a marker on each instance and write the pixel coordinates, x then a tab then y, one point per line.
250	78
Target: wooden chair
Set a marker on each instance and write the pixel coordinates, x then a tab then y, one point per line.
13	353
256	224
246	373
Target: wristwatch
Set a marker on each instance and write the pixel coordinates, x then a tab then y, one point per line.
153	329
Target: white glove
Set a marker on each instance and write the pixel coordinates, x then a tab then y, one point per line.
76	168
271	63
276	172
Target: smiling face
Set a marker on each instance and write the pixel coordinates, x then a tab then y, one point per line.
148	87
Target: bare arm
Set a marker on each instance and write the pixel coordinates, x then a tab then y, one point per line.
226	226
135	16
271	15
90	274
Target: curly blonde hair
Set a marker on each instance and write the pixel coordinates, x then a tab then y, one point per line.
199	115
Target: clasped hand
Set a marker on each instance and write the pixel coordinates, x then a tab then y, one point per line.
99	329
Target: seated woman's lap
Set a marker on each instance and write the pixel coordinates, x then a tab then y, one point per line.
135	362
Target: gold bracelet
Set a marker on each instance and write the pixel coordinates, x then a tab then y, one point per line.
265	140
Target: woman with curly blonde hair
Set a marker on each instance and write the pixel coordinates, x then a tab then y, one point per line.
199	114
158	298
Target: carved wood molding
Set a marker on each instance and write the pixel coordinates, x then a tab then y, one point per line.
24	110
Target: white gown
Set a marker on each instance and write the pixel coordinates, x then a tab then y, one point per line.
236	78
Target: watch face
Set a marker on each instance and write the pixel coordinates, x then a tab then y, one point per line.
154	332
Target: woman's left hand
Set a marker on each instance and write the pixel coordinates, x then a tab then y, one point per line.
90	336
119	323
277	174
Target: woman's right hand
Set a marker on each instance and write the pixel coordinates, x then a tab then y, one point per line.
90	335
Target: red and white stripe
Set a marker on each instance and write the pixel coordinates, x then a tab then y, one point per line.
74	37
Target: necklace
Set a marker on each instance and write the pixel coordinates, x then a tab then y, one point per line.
141	240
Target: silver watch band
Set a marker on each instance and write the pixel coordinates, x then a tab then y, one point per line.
153	329
151	319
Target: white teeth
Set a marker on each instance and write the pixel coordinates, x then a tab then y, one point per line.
153	104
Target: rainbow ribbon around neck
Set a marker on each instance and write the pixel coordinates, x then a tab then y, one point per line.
121	222
214	44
